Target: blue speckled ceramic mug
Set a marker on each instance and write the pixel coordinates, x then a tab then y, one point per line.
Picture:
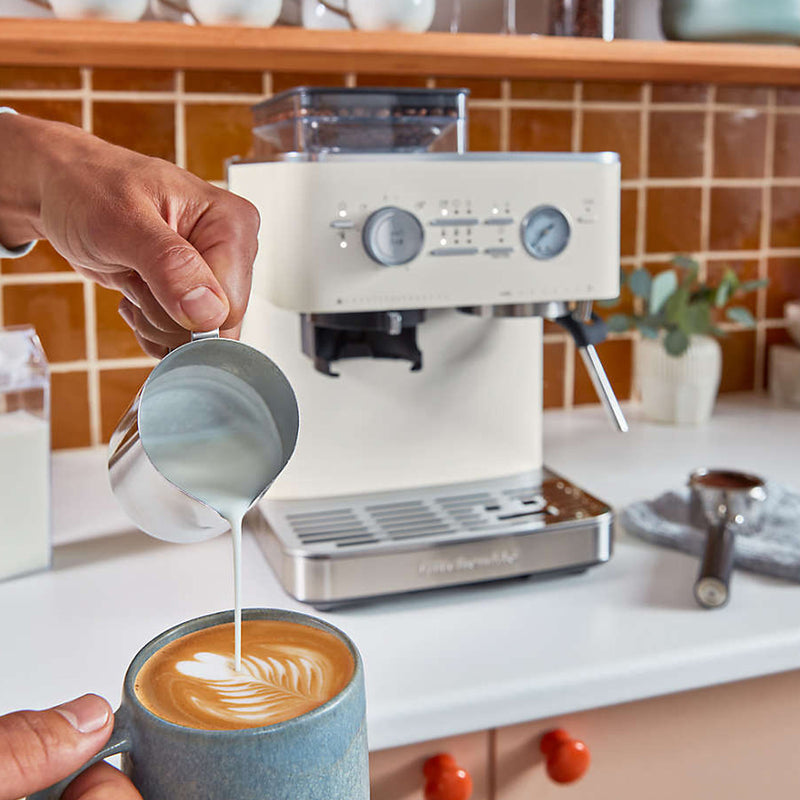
320	755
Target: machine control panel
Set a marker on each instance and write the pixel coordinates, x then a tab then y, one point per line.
479	230
392	236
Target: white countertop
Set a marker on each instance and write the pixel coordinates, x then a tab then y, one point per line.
441	663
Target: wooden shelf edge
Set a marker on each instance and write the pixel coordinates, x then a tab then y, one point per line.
95	43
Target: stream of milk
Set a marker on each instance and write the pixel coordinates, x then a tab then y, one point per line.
211	434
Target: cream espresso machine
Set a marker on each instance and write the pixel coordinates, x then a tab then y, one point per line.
401	284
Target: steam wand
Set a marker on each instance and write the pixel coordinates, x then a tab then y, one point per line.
586	336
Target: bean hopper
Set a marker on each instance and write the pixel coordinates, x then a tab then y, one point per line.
401	284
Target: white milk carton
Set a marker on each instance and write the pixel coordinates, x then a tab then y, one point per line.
24	453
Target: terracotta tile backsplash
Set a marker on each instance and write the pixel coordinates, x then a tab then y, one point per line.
541	129
617	131
146	127
677	144
213	134
69	409
57	312
740	142
673	220
117	388
114	338
713	171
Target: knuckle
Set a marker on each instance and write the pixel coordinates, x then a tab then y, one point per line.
30	743
175	261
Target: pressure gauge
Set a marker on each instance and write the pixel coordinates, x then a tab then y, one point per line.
545	232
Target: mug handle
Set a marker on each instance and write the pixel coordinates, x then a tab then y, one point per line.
120	742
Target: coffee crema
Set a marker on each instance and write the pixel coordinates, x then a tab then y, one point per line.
287	670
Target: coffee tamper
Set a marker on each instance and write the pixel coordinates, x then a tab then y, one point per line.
728	504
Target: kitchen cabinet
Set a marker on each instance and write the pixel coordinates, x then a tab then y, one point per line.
738	740
396	774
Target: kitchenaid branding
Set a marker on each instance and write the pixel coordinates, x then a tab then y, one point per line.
447	566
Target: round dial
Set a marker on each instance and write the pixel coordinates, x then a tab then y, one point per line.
392	236
545	232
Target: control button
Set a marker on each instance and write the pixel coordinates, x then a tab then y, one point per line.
499	221
342	224
454	222
454	251
499	251
392	236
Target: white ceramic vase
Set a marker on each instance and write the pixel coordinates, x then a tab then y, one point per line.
680	390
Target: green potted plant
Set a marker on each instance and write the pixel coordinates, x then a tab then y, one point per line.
679	360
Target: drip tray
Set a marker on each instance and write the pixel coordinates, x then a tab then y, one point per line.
330	551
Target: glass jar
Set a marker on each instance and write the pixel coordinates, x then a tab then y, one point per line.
24	453
597	18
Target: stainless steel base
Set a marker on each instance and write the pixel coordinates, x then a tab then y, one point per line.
338	550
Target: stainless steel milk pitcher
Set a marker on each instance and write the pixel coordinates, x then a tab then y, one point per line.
160	507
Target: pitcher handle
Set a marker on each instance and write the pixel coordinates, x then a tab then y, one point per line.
196	335
120	742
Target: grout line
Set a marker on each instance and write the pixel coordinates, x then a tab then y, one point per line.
708	172
577	116
700	181
765	240
266	84
505	116
640	247
180	119
89	306
145	362
16	278
350	80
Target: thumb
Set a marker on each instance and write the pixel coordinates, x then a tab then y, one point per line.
180	279
40	748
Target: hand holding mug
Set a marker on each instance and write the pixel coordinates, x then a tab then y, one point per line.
38	748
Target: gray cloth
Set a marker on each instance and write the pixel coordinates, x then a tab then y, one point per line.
774	551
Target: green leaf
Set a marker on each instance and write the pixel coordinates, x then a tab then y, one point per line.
723	294
751	286
731	278
640	282
676	309
610	303
646	330
684	262
741	315
676	342
617	323
663	285
715	331
698	318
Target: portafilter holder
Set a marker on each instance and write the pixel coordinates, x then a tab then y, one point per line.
727	503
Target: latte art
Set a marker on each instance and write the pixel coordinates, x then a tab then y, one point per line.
287	670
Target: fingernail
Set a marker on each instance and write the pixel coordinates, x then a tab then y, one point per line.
202	305
87	714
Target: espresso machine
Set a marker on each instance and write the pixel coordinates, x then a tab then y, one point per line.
401	284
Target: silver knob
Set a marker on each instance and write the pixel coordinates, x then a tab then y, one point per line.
392	236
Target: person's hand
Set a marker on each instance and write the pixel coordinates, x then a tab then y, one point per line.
40	748
180	250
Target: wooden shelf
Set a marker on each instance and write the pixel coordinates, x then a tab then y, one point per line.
170	45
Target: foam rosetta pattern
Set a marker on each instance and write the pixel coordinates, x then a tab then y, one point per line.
287	670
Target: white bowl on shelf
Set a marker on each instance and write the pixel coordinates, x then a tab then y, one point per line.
119	10
258	13
791	313
399	15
